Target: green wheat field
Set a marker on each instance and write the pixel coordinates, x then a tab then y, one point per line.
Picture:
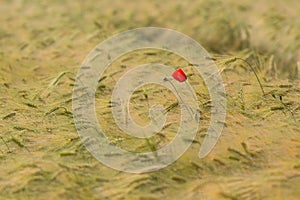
42	45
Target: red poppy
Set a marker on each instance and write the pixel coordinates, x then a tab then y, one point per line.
179	75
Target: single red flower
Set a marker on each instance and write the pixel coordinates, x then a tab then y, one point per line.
179	75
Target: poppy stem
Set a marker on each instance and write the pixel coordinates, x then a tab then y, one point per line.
191	90
166	79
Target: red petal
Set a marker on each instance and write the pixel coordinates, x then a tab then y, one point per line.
179	75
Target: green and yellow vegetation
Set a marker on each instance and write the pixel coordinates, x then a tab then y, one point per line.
43	43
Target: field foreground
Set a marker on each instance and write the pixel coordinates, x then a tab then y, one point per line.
42	47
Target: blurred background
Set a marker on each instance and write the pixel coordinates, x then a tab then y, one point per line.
43	44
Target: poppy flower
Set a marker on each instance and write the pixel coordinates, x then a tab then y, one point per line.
179	75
